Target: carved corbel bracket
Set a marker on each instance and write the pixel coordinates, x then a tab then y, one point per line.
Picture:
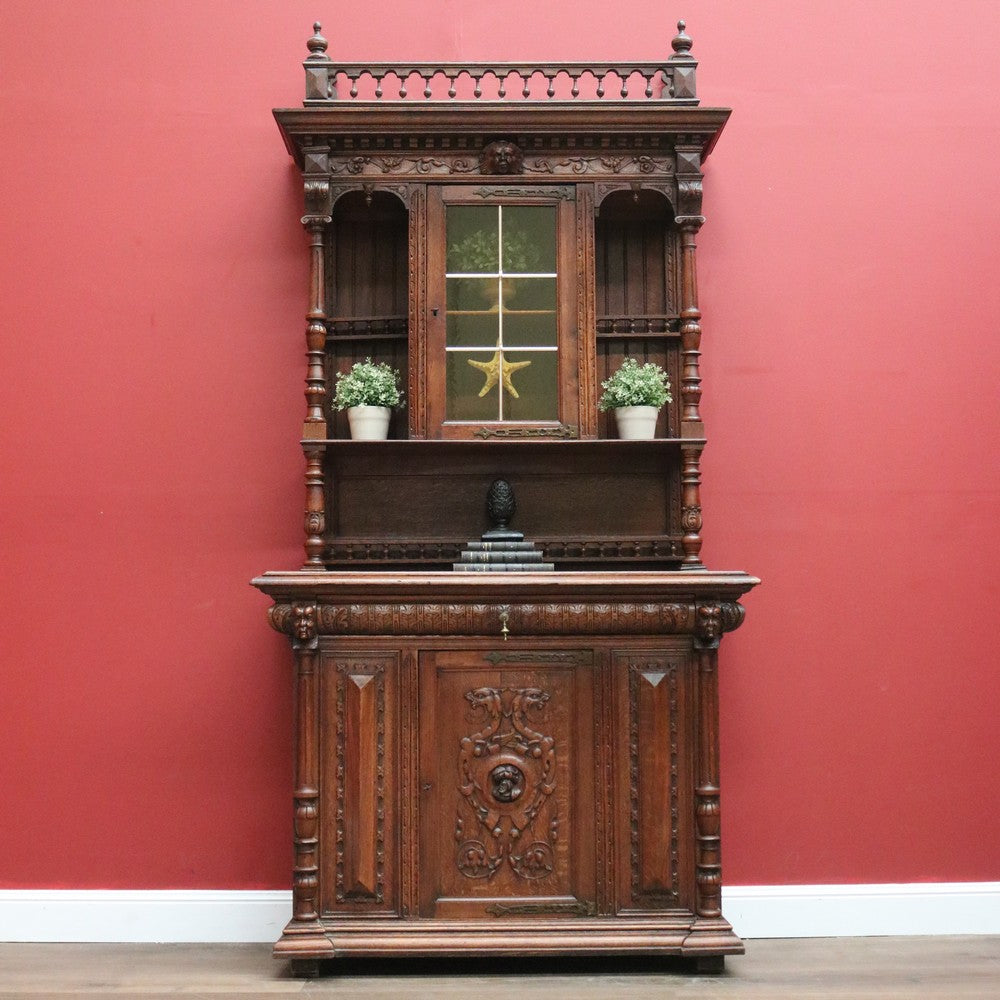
689	183
303	626
713	619
316	184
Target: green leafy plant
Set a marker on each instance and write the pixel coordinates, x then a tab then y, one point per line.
635	385
368	384
479	253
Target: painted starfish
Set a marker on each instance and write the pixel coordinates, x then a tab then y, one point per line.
499	369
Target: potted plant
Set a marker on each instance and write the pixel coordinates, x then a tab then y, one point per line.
368	392
636	393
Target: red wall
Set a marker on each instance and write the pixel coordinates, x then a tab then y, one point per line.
152	340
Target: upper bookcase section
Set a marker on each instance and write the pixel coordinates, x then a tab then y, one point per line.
644	97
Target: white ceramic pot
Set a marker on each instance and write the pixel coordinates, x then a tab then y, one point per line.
636	423
369	423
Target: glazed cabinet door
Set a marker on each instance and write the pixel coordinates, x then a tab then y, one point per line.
502	351
507	770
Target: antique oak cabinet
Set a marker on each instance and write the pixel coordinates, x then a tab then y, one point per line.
504	762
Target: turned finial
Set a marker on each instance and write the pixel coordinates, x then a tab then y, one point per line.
317	44
682	41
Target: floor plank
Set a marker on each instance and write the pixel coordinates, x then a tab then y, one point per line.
911	968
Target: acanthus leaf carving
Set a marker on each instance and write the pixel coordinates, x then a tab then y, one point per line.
479	619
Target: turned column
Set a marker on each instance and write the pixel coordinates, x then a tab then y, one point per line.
305	880
314	428
692	427
708	841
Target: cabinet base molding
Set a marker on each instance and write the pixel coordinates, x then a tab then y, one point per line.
681	936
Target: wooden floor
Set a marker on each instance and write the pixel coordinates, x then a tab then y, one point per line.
944	968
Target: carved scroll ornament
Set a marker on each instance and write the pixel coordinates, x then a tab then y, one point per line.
506	777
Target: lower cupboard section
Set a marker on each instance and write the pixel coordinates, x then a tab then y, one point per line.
533	796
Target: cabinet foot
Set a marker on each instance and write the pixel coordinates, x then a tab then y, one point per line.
710	965
305	968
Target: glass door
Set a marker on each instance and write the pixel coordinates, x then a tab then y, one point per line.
504	334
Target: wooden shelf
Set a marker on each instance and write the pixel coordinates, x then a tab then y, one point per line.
455	443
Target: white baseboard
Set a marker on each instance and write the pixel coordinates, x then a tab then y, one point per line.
790	911
234	916
143	915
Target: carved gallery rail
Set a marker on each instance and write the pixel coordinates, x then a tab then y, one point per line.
672	80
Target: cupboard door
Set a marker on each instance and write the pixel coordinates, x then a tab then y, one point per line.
507	765
359	802
654	807
502	351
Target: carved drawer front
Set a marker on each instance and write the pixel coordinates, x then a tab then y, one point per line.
507	764
654	799
359	803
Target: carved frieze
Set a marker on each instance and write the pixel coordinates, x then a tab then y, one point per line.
484	619
554	156
500	158
626	164
706	620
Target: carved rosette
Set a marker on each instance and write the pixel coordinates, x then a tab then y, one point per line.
506	777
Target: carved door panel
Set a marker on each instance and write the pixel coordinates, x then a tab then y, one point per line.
654	811
359	805
507	782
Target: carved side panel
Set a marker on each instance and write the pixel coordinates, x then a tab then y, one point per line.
653	801
360	803
507	805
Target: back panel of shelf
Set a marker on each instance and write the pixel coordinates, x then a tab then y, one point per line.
636	292
367	293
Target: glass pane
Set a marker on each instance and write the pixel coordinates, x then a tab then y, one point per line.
529	238
473	295
491	314
477	330
465	382
536	387
528	294
473	239
529	329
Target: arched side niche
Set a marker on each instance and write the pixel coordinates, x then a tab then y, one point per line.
366	289
637	286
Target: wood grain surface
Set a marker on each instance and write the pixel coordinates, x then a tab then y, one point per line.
923	968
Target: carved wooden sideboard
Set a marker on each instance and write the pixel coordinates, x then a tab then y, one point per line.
504	762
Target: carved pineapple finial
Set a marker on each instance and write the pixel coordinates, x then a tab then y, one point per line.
317	44
682	41
500	504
